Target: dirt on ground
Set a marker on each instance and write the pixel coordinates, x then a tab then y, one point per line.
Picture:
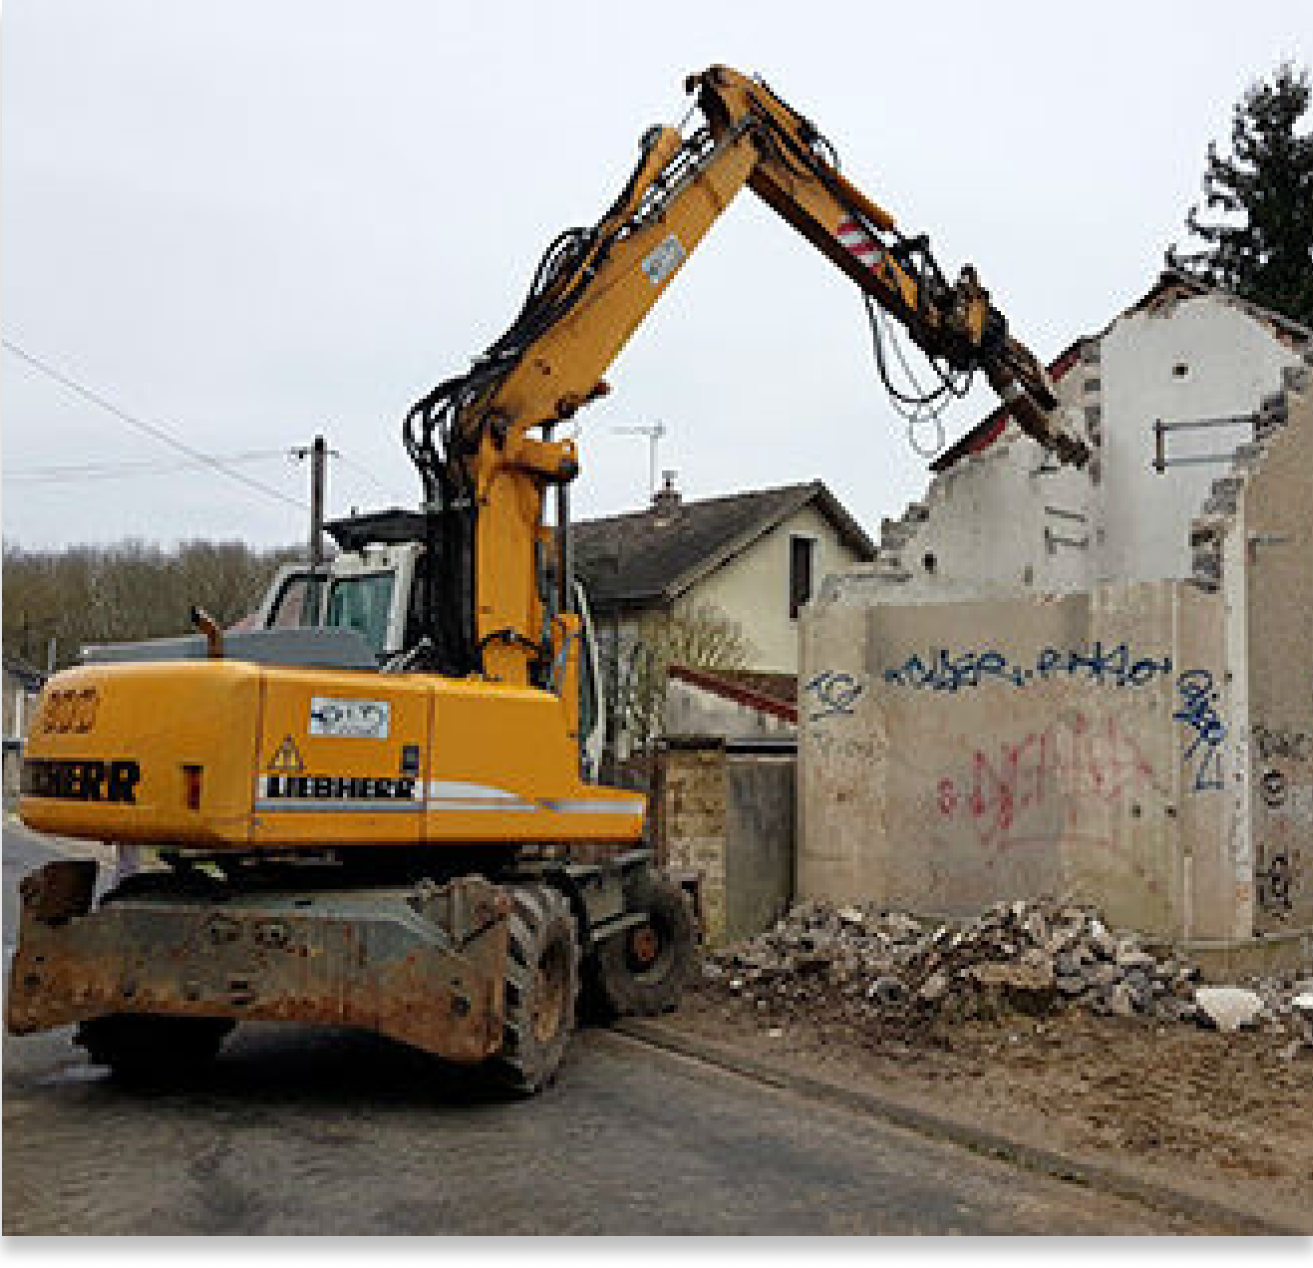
1227	1115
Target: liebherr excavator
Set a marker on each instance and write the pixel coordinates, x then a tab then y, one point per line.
387	837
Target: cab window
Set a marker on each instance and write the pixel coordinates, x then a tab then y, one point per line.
363	604
297	604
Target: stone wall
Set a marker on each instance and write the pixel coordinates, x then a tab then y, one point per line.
728	818
693	820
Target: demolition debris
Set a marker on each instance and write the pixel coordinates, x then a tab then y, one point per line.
1031	956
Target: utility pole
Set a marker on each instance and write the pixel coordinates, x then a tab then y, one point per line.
318	463
318	452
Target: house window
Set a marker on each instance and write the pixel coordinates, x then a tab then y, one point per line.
802	551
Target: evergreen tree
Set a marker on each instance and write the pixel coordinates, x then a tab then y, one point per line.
1261	246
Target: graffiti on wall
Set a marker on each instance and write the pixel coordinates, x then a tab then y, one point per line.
831	692
1285	802
1114	666
945	670
1204	731
1277	744
1073	761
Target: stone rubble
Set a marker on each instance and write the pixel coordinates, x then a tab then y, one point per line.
1030	956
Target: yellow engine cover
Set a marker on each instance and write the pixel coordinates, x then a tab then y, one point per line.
221	754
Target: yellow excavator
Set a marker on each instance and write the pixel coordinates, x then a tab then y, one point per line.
388	836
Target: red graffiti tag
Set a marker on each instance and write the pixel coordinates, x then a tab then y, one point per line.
1071	761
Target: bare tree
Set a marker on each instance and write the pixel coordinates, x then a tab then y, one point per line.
131	590
701	637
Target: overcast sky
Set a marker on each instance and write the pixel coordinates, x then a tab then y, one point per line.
245	221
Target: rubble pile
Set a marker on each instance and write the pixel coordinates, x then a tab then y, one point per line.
1028	955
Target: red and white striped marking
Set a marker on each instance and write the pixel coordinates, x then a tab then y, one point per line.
855	239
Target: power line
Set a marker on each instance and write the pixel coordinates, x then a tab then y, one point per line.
158	433
365	471
72	472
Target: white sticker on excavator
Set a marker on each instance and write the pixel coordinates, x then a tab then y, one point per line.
665	258
349	719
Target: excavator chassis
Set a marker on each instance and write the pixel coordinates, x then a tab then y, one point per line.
425	964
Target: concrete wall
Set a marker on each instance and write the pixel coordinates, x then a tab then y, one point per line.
1203	357
1275	524
953	755
1008	521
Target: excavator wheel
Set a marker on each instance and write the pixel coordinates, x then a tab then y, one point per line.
542	983
643	970
152	1049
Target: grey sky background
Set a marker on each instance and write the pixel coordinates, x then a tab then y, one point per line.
247	221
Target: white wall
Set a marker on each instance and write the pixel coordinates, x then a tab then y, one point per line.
1231	361
753	588
693	710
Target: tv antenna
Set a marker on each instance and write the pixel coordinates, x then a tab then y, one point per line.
653	432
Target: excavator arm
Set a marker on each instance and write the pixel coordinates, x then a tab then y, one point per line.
484	441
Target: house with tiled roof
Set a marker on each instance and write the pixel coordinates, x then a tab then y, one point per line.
754	558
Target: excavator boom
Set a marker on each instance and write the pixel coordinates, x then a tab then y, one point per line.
485	474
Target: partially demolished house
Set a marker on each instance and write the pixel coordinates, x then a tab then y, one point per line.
1098	682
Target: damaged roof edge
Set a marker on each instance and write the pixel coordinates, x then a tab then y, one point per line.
991	427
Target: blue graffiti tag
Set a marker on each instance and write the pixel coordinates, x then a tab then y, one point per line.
1111	667
1205	730
834	692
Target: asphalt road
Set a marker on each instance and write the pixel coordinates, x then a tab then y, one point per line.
331	1132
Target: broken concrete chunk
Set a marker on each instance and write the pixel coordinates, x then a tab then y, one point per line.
1228	1008
1103	944
1121	1000
886	990
1019	977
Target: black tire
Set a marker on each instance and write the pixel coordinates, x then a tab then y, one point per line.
542	985
643	971
153	1049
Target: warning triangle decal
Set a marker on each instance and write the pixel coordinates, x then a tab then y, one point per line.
287	760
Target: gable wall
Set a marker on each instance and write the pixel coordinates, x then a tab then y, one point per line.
753	588
1231	362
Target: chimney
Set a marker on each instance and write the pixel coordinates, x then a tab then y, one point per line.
665	501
